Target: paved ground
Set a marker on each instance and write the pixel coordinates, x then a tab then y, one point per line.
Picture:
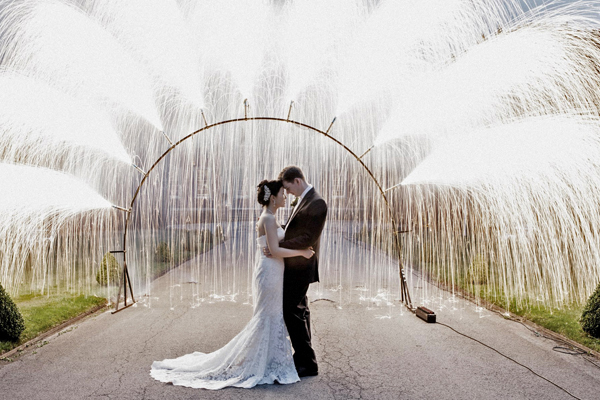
368	353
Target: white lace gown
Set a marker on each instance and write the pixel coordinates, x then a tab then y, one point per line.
260	354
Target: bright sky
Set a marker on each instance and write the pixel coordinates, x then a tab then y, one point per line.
559	2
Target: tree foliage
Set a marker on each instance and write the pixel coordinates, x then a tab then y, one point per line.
109	271
163	253
590	317
12	321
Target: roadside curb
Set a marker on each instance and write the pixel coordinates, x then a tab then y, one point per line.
541	330
535	328
30	343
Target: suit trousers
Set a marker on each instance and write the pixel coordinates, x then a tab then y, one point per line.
297	319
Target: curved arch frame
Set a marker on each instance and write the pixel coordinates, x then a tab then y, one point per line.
125	276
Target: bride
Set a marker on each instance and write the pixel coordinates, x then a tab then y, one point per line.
261	353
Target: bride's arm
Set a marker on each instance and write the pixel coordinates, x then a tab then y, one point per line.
273	241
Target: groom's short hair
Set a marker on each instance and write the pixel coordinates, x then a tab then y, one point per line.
290	173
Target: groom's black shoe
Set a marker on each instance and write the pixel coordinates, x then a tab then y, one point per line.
306	372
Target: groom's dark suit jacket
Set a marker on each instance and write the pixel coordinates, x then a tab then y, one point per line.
302	232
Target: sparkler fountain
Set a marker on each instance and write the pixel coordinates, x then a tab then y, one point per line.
479	117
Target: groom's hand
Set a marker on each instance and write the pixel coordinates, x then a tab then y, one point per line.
266	252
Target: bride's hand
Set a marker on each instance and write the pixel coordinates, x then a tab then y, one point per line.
308	253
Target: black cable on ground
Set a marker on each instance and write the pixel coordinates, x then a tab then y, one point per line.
569	349
511	359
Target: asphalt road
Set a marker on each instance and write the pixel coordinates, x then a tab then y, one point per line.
364	352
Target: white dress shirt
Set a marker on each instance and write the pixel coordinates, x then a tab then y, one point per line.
300	201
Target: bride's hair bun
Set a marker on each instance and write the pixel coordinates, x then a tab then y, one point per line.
274	188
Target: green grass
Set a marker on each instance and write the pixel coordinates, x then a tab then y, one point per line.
42	313
564	321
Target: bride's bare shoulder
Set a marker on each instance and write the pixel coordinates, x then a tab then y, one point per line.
268	219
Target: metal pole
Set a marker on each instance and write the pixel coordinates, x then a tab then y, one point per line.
330	125
290	111
368	150
139	169
168	138
121	208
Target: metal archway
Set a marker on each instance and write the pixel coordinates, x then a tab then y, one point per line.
126	282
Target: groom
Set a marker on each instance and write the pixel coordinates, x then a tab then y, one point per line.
302	230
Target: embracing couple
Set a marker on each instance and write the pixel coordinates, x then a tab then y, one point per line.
287	264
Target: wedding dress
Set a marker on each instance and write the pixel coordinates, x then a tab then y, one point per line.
260	354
